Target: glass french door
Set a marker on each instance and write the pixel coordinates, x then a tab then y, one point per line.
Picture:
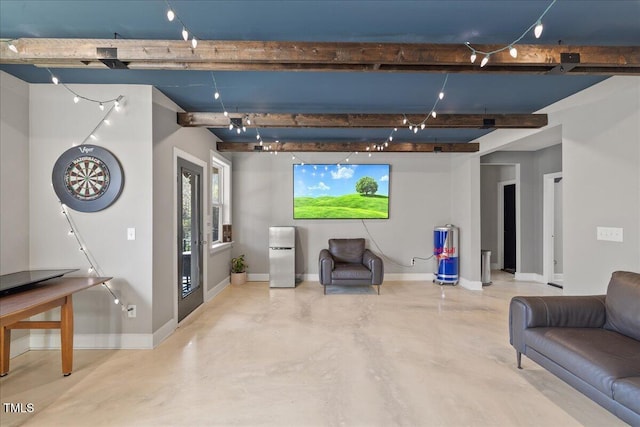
190	240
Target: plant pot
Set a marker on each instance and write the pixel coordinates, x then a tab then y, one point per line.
238	278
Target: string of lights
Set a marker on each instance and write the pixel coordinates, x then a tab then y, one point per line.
77	97
513	51
93	266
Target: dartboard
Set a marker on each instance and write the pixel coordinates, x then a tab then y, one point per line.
87	178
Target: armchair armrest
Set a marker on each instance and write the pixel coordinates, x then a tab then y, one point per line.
325	267
374	263
551	311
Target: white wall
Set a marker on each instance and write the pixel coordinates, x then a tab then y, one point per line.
420	198
601	176
55	124
14	174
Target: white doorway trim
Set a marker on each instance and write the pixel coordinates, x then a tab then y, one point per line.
548	214
178	153
500	227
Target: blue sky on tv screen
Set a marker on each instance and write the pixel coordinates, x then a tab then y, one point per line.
316	180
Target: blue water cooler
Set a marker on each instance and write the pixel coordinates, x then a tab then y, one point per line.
445	251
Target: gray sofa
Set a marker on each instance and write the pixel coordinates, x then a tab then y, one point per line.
348	262
590	342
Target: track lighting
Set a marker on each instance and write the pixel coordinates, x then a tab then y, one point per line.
170	15
537	31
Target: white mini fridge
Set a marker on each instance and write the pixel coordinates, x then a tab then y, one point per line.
282	257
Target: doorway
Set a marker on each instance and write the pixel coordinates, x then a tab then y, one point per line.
552	229
509	228
190	241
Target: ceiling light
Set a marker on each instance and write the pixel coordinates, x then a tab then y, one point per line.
513	51
13	48
185	34
537	31
170	15
485	60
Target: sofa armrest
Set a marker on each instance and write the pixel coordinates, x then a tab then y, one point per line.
325	267
551	311
374	263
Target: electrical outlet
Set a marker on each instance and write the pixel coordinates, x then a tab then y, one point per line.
131	310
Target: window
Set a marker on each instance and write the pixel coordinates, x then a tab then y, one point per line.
220	196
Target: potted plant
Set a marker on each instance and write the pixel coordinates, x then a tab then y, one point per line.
238	270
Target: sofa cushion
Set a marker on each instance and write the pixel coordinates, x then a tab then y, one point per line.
595	355
622	302
626	391
346	271
347	250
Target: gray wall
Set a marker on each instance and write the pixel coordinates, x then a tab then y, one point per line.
533	165
420	198
601	169
600	131
198	142
490	176
14	174
53	130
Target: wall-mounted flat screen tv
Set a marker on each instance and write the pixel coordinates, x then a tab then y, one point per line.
324	191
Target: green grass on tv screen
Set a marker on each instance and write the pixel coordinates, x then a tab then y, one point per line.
354	206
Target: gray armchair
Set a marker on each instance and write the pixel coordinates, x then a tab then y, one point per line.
347	262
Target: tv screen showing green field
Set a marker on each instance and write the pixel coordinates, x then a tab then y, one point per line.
340	191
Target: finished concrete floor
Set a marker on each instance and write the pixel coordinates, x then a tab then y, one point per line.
416	355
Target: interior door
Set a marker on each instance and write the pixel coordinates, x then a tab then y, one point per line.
190	241
509	234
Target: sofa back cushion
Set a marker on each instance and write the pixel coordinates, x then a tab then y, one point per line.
623	304
347	250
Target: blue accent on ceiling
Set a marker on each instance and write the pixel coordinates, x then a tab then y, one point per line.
572	22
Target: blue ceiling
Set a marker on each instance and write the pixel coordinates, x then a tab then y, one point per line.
479	22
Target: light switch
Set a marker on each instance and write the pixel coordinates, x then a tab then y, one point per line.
611	234
131	233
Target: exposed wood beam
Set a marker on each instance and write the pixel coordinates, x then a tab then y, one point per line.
321	56
350	147
291	120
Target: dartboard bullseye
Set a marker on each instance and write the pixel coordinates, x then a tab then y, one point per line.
87	178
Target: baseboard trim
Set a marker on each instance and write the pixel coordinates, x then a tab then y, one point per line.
472	285
495	266
51	341
20	345
211	293
258	277
409	276
530	277
164	332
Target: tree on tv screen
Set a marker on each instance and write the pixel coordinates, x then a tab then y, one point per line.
367	186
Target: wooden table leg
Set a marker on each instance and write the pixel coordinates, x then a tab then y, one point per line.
66	336
5	350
